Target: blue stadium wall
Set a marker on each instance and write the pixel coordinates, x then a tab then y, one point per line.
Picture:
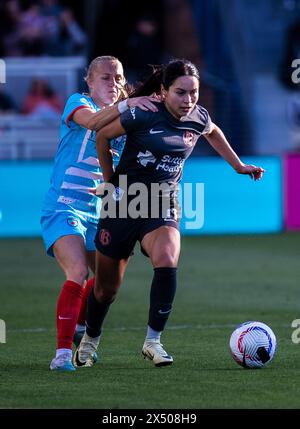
215	199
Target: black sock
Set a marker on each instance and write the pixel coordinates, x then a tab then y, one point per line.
162	294
96	312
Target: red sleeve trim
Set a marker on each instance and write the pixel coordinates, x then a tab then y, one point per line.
72	113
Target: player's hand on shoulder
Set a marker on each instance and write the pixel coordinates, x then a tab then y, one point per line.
144	103
253	171
157	97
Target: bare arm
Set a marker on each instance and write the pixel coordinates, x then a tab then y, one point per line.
114	129
218	141
96	120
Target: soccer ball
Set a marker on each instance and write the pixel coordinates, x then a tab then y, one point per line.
253	344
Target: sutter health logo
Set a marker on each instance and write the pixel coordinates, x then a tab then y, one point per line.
2	331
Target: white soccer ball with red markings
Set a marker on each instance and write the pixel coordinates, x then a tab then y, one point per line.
253	344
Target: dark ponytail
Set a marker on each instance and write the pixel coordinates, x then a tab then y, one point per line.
166	75
151	84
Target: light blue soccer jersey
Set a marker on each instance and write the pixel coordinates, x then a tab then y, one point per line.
77	172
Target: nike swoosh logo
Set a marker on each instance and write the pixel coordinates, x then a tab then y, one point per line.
64	318
78	362
152	131
164	312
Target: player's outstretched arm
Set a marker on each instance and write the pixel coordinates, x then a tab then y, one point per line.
218	141
114	129
96	120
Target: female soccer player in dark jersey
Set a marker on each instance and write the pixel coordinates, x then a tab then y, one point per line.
71	209
155	151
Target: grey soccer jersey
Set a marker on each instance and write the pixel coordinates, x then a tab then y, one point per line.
158	144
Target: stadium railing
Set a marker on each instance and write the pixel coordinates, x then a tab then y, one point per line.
27	138
63	74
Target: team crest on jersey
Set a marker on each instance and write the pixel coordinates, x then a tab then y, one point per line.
72	222
189	138
104	237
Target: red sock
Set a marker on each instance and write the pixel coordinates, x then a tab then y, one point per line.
86	292
67	310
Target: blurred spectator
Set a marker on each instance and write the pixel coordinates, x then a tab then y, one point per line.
43	27
73	38
42	101
143	47
51	12
51	9
7	105
62	34
9	18
31	31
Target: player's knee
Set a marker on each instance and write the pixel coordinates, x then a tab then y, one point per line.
78	273
165	258
106	295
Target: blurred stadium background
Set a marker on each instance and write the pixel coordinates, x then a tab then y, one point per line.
244	51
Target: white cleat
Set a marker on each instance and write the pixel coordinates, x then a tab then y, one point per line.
153	350
84	355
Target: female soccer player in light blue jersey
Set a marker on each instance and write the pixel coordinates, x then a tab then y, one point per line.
71	208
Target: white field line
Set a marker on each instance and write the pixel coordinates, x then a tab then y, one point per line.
139	328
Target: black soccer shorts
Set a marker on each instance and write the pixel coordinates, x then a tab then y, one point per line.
117	237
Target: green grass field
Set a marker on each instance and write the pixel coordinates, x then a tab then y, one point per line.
223	281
